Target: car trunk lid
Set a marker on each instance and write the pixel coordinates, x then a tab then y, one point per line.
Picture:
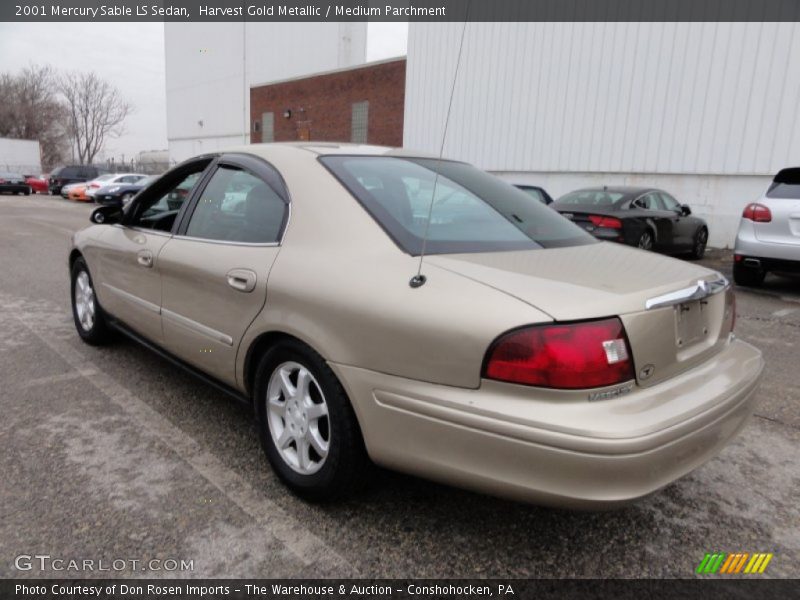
581	214
606	279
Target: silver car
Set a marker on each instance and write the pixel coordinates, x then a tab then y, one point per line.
769	232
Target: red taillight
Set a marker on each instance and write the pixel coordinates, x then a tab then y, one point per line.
609	222
757	212
570	356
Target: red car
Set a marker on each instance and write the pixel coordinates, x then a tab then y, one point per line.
38	185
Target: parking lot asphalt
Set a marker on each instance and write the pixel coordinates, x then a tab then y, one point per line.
112	453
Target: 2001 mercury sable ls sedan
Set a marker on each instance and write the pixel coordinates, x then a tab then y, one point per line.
533	362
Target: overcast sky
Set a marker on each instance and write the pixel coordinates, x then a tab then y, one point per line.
131	56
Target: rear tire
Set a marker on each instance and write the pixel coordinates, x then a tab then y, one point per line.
748	276
307	426
700	243
645	240
90	320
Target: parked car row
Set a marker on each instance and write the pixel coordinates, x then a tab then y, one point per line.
768	239
85	191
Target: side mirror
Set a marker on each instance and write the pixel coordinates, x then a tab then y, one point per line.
685	210
106	215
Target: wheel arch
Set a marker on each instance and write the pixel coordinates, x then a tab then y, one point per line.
261	344
74	255
650	225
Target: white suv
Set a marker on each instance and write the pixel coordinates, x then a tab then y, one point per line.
769	232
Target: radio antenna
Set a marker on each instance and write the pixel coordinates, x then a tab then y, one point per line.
419	279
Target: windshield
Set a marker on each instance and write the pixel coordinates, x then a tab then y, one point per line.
472	211
591	198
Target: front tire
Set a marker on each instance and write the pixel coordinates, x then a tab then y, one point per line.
700	243
90	321
748	276
307	426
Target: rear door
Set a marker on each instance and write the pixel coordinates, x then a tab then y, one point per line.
214	271
783	200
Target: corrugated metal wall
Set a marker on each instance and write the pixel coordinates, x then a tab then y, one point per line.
700	98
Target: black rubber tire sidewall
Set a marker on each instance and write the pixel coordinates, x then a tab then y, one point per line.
344	466
695	254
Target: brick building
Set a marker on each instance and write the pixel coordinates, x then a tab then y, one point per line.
361	104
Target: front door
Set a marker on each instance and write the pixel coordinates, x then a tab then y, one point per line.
129	263
214	271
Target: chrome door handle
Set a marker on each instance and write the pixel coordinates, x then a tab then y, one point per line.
242	280
145	258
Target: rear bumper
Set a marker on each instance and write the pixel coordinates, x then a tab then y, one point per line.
773	256
526	444
108	200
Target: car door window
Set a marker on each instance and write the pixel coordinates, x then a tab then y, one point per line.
534	193
158	211
648	202
237	206
669	202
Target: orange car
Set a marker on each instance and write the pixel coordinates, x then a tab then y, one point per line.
78	192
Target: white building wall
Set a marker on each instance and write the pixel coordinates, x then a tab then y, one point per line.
211	66
706	110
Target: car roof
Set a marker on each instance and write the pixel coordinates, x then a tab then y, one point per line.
328	148
627	190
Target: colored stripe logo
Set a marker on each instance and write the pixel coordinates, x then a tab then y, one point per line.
734	563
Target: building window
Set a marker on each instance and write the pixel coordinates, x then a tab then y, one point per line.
360	122
268	127
256	126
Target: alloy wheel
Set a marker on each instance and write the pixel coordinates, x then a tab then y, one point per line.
297	415
84	301
646	241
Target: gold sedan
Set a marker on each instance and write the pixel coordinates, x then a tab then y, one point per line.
519	356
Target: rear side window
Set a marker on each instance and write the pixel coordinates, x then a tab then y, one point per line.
237	206
534	193
70	172
470	210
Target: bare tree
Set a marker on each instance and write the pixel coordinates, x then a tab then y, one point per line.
95	112
31	110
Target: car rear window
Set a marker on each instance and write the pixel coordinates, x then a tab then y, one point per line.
786	184
472	211
591	198
69	172
787	191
